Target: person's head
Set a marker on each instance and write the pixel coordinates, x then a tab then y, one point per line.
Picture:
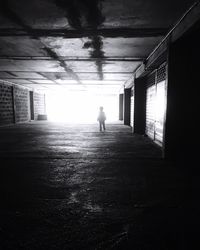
101	108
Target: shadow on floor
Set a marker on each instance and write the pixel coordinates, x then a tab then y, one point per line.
71	187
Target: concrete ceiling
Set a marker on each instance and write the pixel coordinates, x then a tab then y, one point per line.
45	43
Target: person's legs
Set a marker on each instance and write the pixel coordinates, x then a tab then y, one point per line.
104	127
100	126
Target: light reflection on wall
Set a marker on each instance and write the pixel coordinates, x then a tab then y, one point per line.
80	106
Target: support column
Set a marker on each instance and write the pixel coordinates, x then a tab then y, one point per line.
121	106
31	98
127	106
139	106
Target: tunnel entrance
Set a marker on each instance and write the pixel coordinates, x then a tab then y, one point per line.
80	106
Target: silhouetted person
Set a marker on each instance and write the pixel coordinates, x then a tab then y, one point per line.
101	118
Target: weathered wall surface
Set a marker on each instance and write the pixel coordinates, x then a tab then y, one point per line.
15	104
6	104
21	100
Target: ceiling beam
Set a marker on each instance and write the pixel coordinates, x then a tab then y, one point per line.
66	58
46	78
111	33
56	72
10	14
36	84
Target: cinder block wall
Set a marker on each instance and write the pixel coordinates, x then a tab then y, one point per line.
15	104
6	104
39	104
21	100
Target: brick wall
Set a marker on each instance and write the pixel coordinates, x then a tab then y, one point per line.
21	98
15	104
39	104
6	104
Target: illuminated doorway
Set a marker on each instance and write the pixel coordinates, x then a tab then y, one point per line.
80	106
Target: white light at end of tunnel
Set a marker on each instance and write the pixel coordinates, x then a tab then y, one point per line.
80	106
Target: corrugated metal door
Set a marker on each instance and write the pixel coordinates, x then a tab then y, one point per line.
150	111
150	105
132	111
160	103
160	111
132	108
156	104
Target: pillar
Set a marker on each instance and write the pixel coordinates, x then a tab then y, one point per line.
121	106
127	106
139	106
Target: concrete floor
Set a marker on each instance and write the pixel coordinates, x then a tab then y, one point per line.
72	187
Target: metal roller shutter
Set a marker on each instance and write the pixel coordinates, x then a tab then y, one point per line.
150	111
161	73
156	104
150	105
160	104
132	109
160	111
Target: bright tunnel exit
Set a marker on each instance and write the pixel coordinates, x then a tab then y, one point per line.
80	106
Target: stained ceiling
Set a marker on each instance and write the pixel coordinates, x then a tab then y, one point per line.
81	43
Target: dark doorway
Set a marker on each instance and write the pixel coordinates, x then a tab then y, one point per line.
31	105
121	106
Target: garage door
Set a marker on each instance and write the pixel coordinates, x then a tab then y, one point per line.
160	111
156	104
132	109
150	111
150	105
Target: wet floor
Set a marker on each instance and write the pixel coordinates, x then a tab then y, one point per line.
66	186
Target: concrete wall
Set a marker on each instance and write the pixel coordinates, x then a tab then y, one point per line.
15	104
182	117
6	104
21	102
